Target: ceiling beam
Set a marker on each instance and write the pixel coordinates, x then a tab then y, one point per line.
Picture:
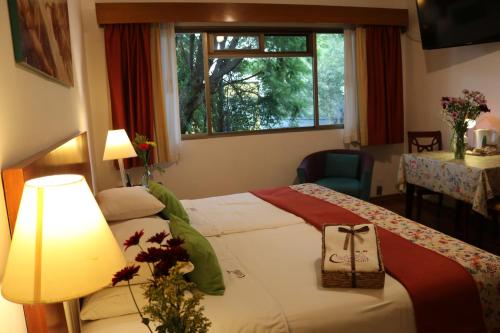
247	13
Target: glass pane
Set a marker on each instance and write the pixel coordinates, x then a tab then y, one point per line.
189	48
236	42
251	94
284	43
330	50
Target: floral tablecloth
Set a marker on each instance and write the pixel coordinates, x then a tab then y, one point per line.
474	180
483	266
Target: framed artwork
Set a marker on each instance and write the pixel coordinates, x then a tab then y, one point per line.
41	37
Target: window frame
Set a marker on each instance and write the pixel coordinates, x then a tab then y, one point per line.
208	37
260	52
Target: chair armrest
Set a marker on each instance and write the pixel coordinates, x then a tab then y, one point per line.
366	176
366	184
302	175
311	169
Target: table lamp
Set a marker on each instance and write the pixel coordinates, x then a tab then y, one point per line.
118	147
471	123
62	247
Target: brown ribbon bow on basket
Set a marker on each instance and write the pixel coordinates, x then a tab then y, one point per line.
349	237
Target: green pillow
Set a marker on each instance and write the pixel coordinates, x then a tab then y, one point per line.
207	273
172	204
341	165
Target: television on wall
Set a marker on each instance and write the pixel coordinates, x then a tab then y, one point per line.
447	23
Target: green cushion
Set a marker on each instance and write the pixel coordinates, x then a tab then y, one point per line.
341	184
341	165
172	204
207	273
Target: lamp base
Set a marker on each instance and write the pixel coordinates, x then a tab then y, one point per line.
122	172
72	311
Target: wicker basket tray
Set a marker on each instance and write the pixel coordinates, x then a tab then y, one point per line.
349	279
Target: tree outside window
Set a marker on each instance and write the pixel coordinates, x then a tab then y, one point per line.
259	81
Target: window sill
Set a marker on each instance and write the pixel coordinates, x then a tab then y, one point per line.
270	131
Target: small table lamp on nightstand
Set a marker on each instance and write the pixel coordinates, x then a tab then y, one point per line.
62	247
118	147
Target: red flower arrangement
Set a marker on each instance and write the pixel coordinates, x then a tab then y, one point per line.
143	147
167	261
159	259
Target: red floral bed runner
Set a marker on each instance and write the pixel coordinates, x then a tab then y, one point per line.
444	295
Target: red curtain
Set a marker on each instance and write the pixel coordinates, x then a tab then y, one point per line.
128	57
385	116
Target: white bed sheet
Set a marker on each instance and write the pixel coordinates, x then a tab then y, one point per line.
235	213
282	286
287	261
246	307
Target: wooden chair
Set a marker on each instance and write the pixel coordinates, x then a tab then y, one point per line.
415	139
425	141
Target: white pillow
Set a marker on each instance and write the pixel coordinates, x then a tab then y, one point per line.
116	301
124	203
112	302
122	231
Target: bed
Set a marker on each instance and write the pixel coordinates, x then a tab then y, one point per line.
279	254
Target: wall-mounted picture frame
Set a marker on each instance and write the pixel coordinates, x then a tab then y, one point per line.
41	37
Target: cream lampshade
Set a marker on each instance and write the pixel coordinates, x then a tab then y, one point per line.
62	247
118	147
471	123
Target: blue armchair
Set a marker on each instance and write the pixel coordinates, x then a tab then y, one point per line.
343	170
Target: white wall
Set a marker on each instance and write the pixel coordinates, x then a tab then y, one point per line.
446	72
230	164
34	113
236	164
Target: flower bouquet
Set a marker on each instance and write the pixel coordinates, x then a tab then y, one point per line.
143	147
458	111
173	303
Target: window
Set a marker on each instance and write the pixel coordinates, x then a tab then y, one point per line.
251	82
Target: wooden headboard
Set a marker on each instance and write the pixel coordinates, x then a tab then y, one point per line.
68	156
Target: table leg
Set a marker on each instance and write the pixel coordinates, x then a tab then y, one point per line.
482	221
410	192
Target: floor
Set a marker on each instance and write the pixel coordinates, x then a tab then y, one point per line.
471	229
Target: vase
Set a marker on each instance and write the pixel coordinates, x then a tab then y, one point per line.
459	145
147	176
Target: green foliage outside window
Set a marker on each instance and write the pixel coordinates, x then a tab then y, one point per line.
264	89
190	72
330	78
